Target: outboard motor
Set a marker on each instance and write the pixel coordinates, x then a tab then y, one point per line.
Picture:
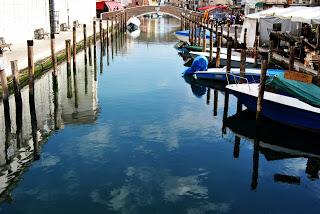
200	63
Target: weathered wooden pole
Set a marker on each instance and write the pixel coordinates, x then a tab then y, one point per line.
18	101
190	30
236	37
89	50
243	56
263	77
204	39
291	56
33	115
68	55
6	111
74	47
112	28
107	33
181	21
94	51
229	53
211	46
85	43
100	30
218	50
199	31
5	98
215	102
94	33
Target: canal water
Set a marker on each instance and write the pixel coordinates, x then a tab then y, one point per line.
128	134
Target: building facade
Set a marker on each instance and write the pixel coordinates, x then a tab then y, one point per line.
20	18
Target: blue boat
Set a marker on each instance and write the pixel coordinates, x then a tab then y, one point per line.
183	35
252	75
278	107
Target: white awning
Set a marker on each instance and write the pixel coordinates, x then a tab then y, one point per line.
310	15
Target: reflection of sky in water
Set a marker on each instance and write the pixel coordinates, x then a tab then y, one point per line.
155	148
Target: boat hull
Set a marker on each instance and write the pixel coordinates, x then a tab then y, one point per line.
252	75
281	113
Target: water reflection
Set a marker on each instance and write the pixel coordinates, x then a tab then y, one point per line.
149	144
50	108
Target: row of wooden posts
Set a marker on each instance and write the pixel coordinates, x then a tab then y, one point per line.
197	27
106	36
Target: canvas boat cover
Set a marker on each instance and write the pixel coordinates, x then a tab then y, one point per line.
308	93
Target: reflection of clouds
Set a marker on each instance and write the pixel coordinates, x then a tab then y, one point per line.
94	144
146	186
188	121
175	187
47	161
294	166
72	181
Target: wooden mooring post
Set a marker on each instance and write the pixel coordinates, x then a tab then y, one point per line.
74	47
18	101
204	39
5	98
68	56
33	115
85	43
243	62
236	43
264	65
53	54
291	56
89	51
100	30
229	54
211	44
218	50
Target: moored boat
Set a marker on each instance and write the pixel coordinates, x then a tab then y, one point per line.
183	35
133	24
282	108
252	75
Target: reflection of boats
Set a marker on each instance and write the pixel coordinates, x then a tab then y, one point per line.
281	108
283	141
235	57
134	34
183	35
251	74
133	24
205	83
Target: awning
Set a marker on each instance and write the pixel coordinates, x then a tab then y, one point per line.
212	7
112	6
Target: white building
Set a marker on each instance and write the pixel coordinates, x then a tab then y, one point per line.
19	18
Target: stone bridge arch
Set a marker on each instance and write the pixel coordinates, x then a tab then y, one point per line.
142	10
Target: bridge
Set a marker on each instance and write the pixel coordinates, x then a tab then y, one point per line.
143	10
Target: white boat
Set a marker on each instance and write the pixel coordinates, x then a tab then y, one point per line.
281	108
251	74
133	24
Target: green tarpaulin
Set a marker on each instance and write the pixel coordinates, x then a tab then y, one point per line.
309	93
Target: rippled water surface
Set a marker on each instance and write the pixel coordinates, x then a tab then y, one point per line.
141	139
